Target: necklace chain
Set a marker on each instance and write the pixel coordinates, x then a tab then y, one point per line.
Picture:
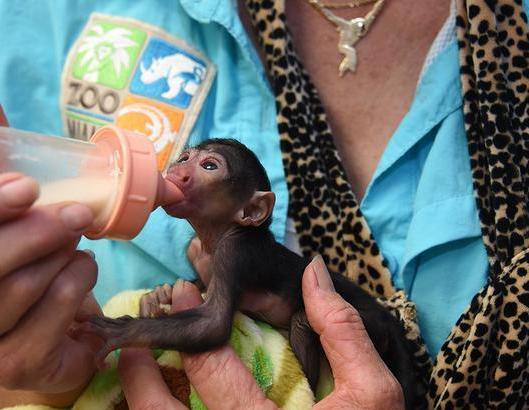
349	5
351	30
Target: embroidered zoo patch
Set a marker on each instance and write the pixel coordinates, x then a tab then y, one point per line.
125	72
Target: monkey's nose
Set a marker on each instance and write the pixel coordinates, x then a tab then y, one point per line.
179	176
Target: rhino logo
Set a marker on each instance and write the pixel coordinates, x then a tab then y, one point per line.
181	74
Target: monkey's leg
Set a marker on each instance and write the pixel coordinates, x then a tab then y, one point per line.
195	330
306	346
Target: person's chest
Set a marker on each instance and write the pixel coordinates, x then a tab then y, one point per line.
365	108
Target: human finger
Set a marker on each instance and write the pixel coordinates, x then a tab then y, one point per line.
39	232
23	288
63	298
89	307
361	377
57	362
142	382
17	194
219	376
339	325
140	375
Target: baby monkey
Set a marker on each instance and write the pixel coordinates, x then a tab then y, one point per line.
227	198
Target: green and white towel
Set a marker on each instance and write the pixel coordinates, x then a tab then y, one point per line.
264	351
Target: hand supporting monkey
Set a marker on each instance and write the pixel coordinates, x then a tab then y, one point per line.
361	378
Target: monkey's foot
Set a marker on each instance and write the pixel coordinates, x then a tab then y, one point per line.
115	333
158	302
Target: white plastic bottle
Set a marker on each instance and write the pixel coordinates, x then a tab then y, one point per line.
115	174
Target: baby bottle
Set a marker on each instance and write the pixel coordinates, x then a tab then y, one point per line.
115	174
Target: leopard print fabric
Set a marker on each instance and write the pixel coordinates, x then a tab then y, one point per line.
484	362
494	51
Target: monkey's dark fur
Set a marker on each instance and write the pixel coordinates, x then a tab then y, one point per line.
249	259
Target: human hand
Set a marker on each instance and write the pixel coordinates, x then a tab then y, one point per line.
362	380
215	374
44	285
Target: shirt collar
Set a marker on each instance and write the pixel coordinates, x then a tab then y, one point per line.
438	94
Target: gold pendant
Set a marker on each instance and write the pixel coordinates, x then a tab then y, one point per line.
350	32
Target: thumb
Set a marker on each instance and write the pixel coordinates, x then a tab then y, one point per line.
89	307
142	381
342	333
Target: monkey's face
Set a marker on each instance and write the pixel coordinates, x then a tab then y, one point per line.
201	176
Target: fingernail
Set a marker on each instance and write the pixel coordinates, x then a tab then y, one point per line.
76	216
19	192
322	274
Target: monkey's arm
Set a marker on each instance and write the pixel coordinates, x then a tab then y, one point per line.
194	330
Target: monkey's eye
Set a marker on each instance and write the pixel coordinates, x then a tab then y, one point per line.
183	158
209	165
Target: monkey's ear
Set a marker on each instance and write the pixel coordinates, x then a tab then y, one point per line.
257	209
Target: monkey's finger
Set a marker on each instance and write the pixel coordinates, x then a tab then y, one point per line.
149	306
17	194
39	232
142	382
163	293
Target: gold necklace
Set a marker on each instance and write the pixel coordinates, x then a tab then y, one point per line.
351	31
349	5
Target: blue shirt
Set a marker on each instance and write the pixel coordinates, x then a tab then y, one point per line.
36	38
421	208
431	239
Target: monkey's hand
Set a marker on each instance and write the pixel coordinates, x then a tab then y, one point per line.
158	302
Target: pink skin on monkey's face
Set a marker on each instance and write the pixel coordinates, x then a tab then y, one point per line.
200	176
